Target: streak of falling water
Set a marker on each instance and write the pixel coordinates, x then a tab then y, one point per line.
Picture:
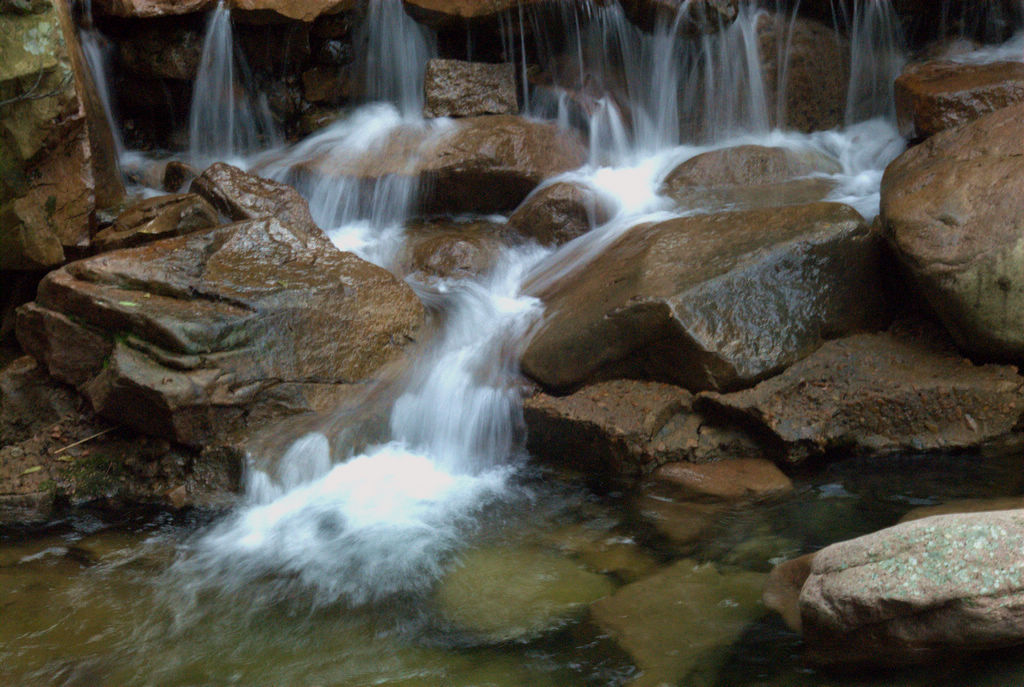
227	122
393	54
876	60
97	51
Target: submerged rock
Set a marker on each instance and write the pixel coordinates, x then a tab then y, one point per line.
57	155
193	338
876	394
951	207
500	595
558	213
917	591
157	218
938	95
782	589
626	427
453	88
680	619
711	302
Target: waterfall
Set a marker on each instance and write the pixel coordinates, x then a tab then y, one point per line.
97	51
394	51
876	60
226	122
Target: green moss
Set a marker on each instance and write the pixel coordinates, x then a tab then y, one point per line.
95	475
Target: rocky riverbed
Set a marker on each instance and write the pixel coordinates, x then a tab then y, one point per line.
527	342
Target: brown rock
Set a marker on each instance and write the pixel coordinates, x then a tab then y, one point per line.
157	218
240	196
148	9
449	13
917	592
162	52
443	250
809	87
683	523
692	17
939	95
195	337
298	10
326	85
951	207
453	88
30	400
880	393
482	165
750	176
625	427
726	480
178	176
558	213
782	589
713	301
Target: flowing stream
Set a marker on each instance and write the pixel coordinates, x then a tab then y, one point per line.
324	575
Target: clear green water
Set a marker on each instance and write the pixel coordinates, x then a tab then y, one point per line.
91	601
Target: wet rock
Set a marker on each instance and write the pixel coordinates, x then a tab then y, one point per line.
443	250
455	13
625	427
683	523
939	95
917	591
30	400
692	17
878	394
241	196
157	218
193	338
782	588
453	88
808	86
481	165
604	552
682	618
56	151
501	595
750	176
326	85
149	9
710	302
951	208
966	506
558	213
750	479
162	52
298	10
177	176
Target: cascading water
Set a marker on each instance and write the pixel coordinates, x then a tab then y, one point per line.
97	51
876	60
226	122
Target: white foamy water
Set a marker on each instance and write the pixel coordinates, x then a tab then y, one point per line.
360	528
1010	51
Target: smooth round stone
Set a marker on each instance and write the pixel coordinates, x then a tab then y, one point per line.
502	595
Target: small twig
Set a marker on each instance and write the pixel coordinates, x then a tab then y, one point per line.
108	430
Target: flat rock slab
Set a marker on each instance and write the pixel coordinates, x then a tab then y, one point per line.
194	337
157	218
917	591
625	427
680	619
952	209
940	94
711	301
750	479
453	88
876	394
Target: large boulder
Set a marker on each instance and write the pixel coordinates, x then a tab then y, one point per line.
916	592
453	88
878	394
710	302
681	619
938	95
751	176
455	13
196	337
626	427
951	208
300	10
57	155
482	165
